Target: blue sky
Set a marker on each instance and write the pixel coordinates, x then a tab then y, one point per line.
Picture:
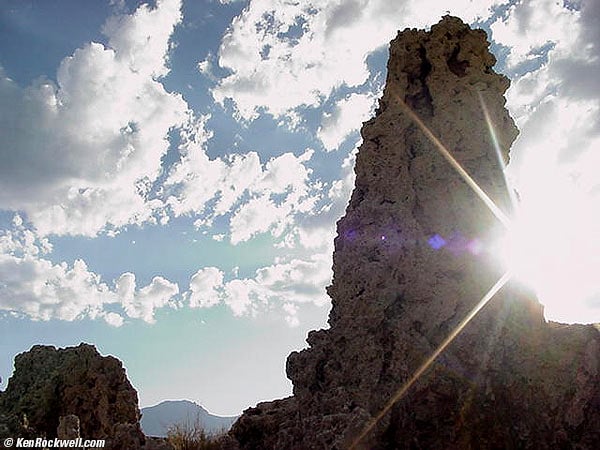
171	173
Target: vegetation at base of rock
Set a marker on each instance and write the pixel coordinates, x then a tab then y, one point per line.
192	436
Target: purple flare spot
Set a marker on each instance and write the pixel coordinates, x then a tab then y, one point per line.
475	247
436	242
350	235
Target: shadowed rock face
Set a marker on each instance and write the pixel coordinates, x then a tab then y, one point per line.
52	385
408	268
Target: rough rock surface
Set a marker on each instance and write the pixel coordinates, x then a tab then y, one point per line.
408	267
68	427
74	384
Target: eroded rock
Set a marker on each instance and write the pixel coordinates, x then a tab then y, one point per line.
68	427
409	266
51	389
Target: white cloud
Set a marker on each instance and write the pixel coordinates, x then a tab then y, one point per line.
255	216
286	54
44	291
240	295
204	287
80	154
290	282
196	179
262	197
141	40
317	231
34	286
206	67
292	314
299	280
142	303
556	105
22	241
285	172
114	319
347	116
530	25
284	175
281	286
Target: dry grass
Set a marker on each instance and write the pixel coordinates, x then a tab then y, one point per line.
191	436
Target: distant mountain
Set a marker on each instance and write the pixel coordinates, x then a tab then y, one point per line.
157	419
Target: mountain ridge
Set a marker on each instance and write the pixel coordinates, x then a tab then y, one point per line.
157	419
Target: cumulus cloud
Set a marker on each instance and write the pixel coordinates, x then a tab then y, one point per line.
205	287
255	216
32	285
286	176
113	319
292	314
347	116
281	286
80	153
260	197
240	295
142	303
556	103
565	79
526	30
283	55
141	40
316	231
292	281
299	280
43	291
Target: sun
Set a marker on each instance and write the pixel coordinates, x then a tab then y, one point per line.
551	240
552	244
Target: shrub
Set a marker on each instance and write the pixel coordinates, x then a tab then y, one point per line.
191	436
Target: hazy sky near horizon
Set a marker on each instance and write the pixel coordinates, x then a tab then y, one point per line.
171	172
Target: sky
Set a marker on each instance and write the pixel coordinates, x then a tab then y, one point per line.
171	173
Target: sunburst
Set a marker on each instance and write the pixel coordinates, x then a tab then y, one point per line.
498	213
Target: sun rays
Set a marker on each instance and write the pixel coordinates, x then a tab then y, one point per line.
429	361
549	237
498	213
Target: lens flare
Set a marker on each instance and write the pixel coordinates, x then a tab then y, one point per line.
423	368
486	298
553	245
496	143
537	242
453	162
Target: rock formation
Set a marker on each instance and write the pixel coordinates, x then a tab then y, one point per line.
68	391
409	265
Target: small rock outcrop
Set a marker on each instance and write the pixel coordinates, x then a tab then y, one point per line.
409	266
71	391
68	427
